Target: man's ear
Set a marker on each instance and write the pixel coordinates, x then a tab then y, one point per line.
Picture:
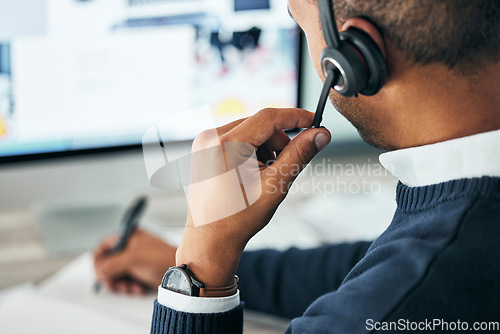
367	27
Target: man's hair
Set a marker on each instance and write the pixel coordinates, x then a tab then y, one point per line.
463	34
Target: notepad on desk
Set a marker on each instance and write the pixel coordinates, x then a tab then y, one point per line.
66	303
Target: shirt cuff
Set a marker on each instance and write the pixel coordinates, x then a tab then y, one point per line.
188	304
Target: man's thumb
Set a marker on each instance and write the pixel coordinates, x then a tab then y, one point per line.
296	155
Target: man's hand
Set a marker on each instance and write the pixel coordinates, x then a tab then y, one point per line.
212	249
138	267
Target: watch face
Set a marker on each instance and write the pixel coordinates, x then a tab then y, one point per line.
176	280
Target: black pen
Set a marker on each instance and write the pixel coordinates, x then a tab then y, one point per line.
129	225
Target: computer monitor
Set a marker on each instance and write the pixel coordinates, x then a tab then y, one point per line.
85	76
89	76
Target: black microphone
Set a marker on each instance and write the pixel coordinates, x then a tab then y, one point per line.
331	76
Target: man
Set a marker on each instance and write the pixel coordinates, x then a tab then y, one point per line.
439	115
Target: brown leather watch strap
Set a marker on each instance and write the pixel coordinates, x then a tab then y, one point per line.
221	291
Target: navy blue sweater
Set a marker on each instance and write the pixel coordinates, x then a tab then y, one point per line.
439	259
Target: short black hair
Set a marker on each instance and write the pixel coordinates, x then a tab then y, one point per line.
463	34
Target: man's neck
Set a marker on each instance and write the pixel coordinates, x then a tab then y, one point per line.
436	105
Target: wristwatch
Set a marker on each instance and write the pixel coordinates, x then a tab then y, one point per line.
182	280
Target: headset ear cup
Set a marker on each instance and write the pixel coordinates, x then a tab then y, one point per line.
352	73
372	56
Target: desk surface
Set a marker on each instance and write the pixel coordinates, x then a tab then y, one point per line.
24	257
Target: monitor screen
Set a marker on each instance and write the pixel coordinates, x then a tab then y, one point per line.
79	75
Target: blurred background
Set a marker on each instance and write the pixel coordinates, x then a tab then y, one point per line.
80	83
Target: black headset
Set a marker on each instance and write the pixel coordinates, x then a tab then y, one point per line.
352	62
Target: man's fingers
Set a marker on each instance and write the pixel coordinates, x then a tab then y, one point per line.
258	129
137	288
228	127
295	156
278	141
265	155
127	286
112	267
103	247
122	287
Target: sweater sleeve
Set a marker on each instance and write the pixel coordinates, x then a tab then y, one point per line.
286	283
280	283
170	321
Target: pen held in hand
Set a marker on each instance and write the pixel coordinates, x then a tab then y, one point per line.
129	224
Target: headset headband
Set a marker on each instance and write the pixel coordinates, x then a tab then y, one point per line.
328	23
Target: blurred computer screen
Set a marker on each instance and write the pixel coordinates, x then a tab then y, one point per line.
89	74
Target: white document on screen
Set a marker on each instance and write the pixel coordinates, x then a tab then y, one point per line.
114	84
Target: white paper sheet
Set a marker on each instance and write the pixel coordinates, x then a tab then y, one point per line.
66	303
